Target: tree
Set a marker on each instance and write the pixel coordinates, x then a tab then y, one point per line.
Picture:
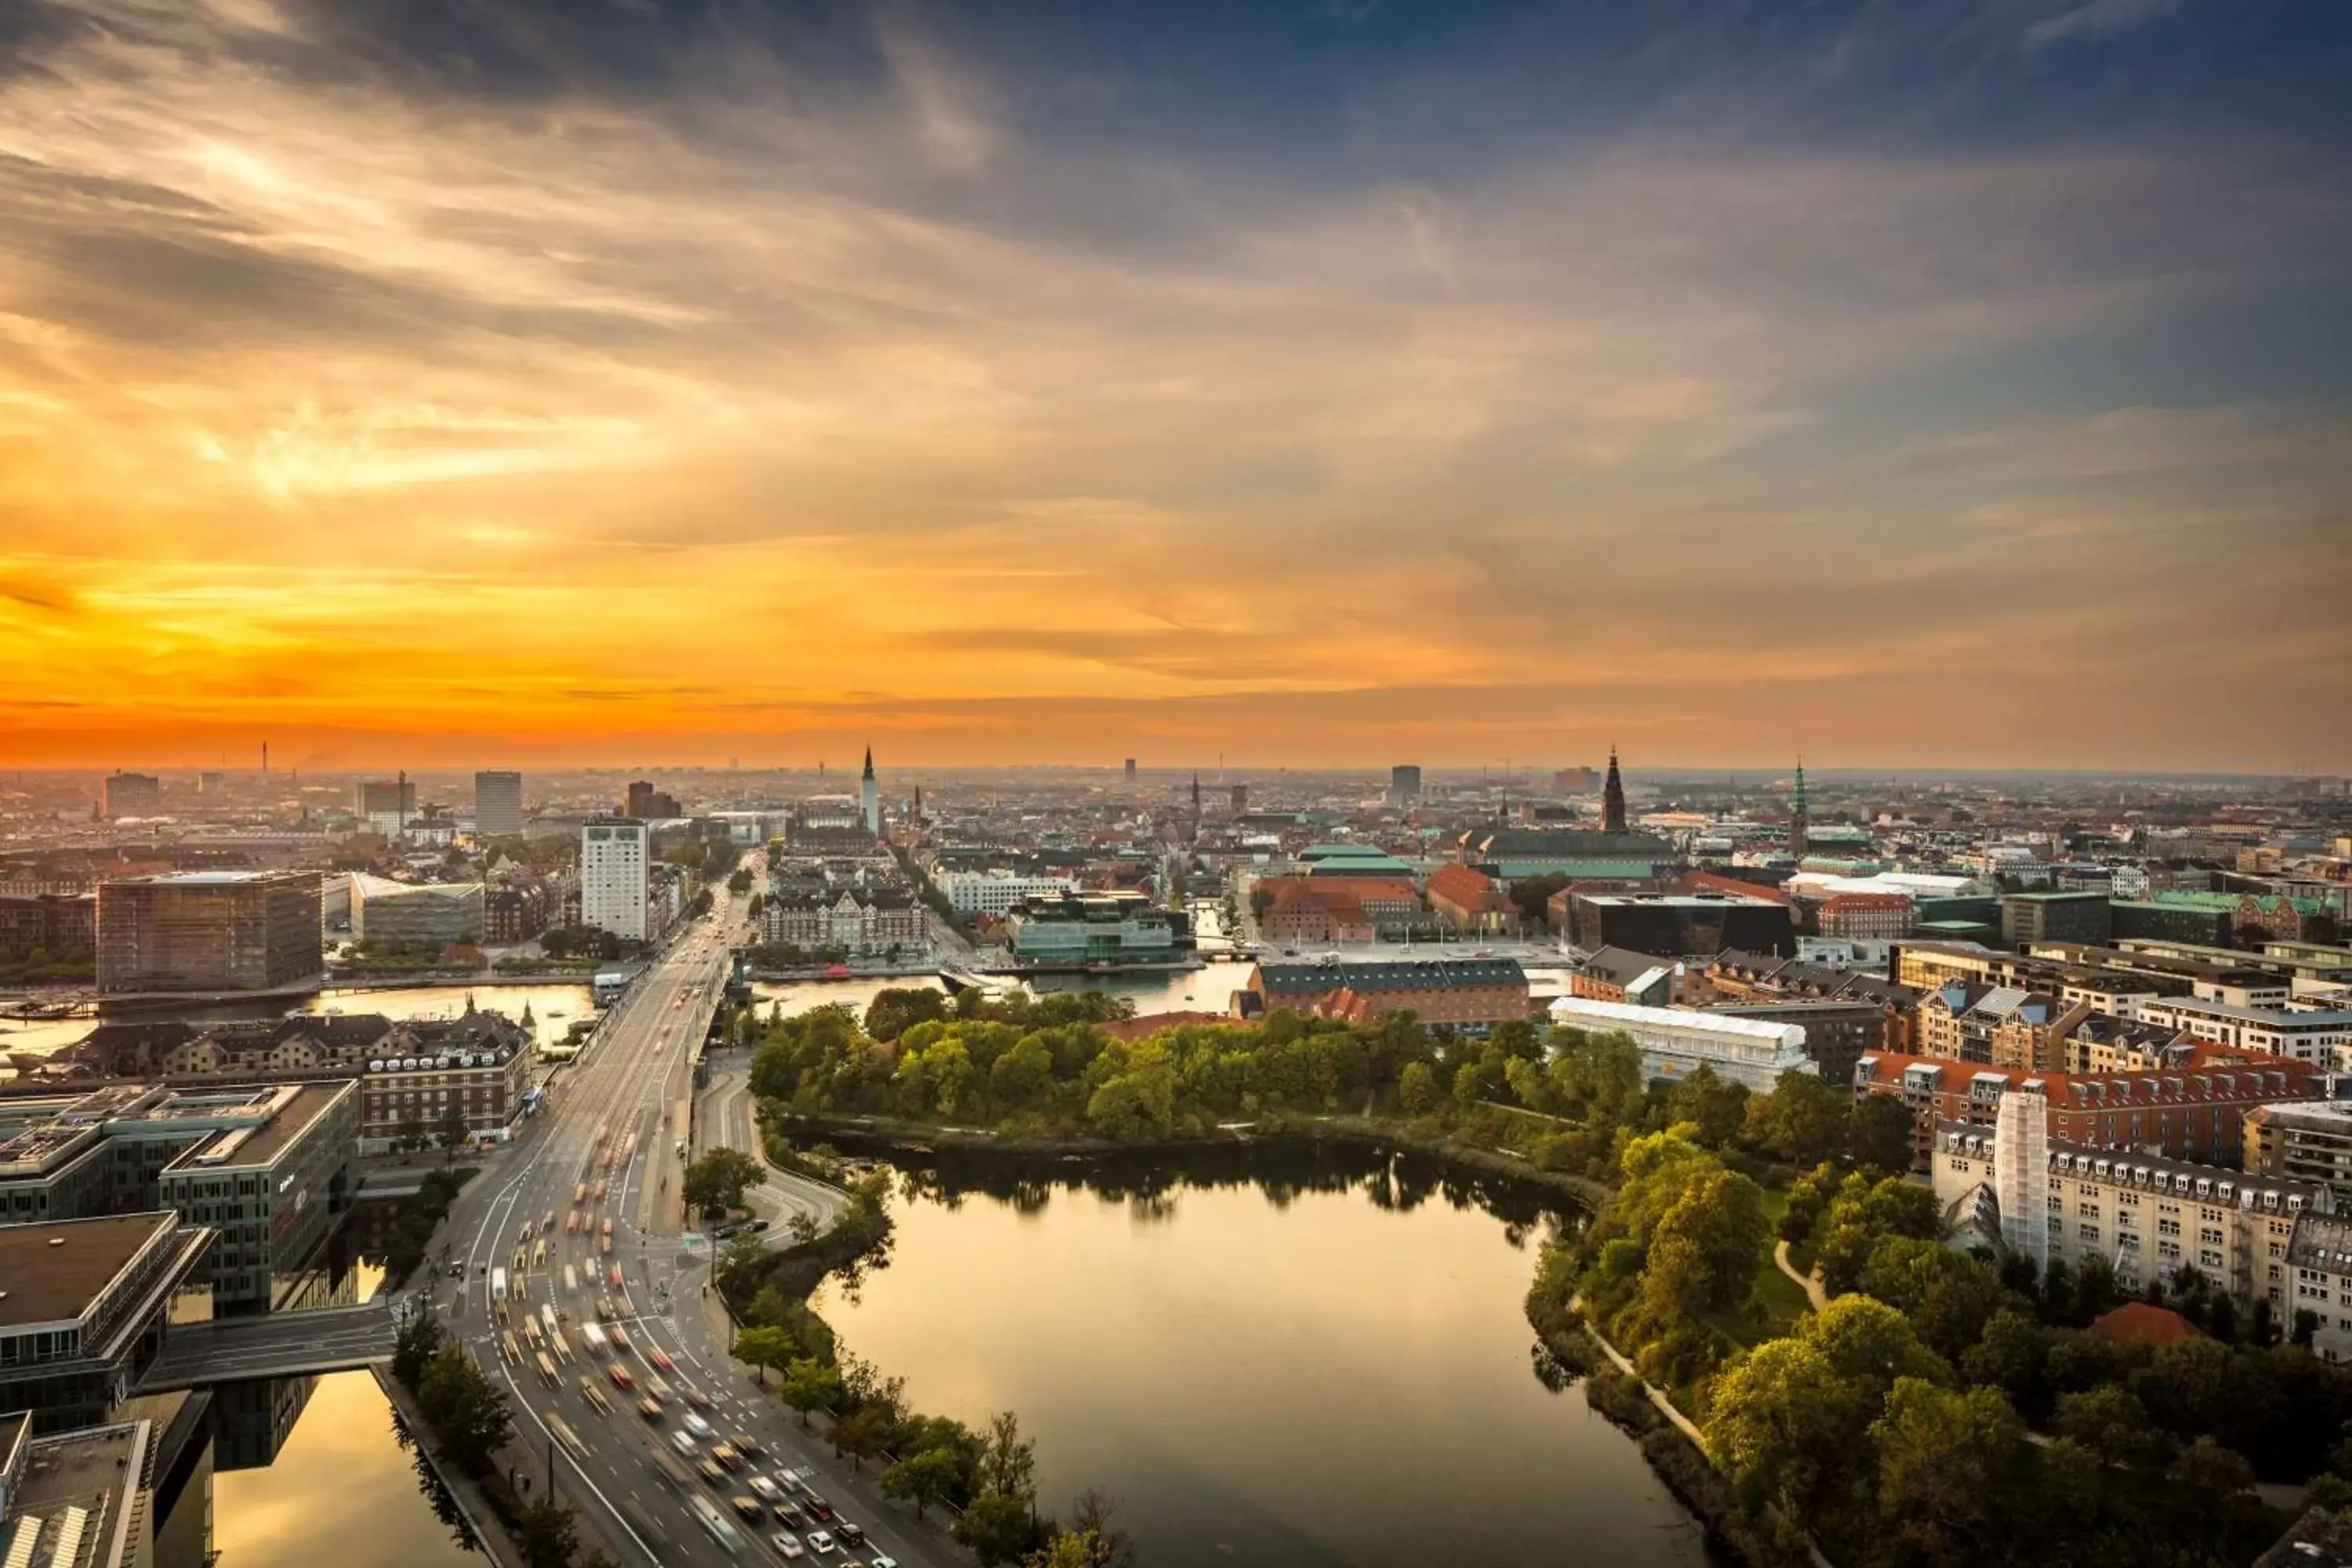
1092	1513
467	1412
413	1348
862	1434
2215	1477
1417	1088
1878	1134
765	1347
1715	1106
1785	1429
1953	1470
2111	1422
1068	1550
545	1531
997	1528
714	1183
450	1132
1802	1120
810	1386
925	1479
412	1136
1720	1218
894	1011
1008	1461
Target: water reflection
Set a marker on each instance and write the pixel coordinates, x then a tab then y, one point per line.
1296	1354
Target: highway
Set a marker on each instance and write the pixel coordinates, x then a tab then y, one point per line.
611	1128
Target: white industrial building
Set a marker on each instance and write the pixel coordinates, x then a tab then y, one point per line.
1676	1043
612	876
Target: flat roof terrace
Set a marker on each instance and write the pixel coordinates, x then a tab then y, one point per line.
52	1272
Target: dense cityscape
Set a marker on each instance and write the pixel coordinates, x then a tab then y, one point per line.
1369	784
2091	1037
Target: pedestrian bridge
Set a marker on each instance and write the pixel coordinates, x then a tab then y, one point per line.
277	1344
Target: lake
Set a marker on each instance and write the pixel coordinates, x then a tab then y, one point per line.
1269	1356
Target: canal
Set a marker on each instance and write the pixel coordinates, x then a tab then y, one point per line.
1291	1356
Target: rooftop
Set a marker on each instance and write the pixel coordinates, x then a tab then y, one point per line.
292	1110
1585	1007
1421	975
50	1272
75	1492
2271	1015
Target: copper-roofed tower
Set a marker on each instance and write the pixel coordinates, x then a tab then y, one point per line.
1612	799
1800	820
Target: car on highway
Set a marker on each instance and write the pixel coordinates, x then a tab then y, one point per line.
821	1508
794	1518
683	1442
695	1424
660	1360
657	1388
850	1532
744	1443
768	1490
749	1509
820	1543
650	1408
712	1474
621	1378
726	1455
788	1546
884	1563
697	1398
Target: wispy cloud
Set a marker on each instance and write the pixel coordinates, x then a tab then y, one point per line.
352	356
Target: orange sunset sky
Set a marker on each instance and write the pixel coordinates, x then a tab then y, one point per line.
419	385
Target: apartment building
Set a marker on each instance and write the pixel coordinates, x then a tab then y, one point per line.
2306	1140
2194	1109
2149	1216
2323	1039
614	895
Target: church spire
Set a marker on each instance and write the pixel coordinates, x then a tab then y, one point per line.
869	762
1612	798
1800	819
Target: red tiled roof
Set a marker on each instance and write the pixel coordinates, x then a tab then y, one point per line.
2137	1323
1462	886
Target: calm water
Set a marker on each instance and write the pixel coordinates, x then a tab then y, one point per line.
1277	1358
341	1489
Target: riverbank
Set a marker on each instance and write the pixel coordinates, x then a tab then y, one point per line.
906	1137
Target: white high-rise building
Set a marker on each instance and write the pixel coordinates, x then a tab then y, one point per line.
2021	1173
612	876
498	804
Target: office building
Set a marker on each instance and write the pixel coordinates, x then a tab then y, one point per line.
419	1069
264	1164
1130	773
434	914
613	868
995	891
134	794
862	917
2323	1039
1404	784
1471	995
1098	928
208	932
1511	853
1680	925
83	1499
2194	1109
2149	1216
386	805
648	803
1836	1031
84	1311
2139	919
1880	916
2054	917
498	804
1676	1042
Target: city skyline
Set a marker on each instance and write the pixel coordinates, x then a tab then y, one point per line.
533	386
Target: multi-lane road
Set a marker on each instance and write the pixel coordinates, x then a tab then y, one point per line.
605	1154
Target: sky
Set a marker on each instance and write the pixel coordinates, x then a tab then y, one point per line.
1339	381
